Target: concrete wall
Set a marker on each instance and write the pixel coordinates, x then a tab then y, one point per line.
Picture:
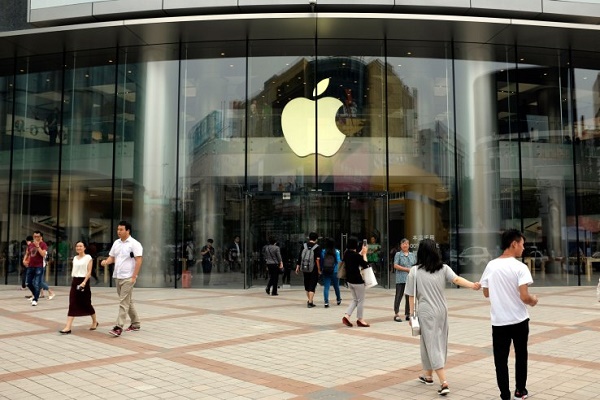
13	15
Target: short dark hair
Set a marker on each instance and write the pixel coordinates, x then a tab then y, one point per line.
210	241
272	240
126	224
29	238
510	236
404	240
313	236
37	232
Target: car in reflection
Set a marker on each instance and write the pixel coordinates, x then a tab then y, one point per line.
475	257
538	257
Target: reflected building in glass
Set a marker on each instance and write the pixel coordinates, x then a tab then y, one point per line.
240	122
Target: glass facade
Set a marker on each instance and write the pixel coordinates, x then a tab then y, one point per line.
237	141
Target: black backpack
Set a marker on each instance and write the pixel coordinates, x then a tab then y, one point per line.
328	264
308	258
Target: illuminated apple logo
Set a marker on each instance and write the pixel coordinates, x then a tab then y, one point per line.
298	124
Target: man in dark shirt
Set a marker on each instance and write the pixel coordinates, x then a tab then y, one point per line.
311	278
207	252
34	260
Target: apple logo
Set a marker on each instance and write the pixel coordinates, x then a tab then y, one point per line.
298	124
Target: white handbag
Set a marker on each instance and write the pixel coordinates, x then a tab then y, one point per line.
369	277
414	319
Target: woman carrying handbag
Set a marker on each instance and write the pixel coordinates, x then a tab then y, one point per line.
353	262
431	275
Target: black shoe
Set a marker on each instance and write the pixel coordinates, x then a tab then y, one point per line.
339	302
326	305
310	305
65	332
267	290
521	394
275	294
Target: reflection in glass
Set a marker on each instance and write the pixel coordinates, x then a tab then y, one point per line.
212	164
86	167
37	136
146	151
421	162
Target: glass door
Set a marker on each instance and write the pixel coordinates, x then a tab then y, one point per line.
290	217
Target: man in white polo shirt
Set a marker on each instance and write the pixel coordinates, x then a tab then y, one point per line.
505	282
126	253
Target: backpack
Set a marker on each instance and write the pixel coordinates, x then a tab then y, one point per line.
328	264
307	263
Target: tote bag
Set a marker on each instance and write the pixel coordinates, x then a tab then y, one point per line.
369	277
414	319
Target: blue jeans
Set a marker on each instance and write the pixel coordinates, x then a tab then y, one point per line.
327	281
34	280
44	284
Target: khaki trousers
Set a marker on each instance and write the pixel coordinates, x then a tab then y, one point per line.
126	307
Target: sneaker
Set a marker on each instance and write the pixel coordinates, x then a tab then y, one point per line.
34	303
326	305
132	328
340	302
116	331
521	394
444	390
427	381
310	305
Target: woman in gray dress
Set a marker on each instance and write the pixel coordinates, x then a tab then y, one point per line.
431	275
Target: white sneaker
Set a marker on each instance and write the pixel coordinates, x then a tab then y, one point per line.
34	303
51	296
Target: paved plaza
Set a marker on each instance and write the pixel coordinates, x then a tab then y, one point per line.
243	344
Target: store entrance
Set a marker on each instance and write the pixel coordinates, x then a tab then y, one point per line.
290	216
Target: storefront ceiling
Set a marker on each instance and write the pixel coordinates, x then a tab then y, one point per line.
345	26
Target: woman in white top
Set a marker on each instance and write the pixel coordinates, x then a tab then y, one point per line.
80	297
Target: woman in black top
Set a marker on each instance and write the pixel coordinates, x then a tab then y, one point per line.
354	261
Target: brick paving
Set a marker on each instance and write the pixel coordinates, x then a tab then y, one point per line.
243	344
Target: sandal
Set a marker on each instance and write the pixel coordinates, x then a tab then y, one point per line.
444	389
398	319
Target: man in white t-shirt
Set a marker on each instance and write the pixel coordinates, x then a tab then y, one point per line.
505	282
126	253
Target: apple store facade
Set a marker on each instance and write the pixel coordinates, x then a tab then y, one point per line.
261	119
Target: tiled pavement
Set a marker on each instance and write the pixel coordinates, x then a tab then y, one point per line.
243	344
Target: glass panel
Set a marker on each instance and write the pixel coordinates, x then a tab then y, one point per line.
421	145
38	133
291	218
146	153
212	164
87	161
279	72
10	264
487	153
548	191
587	134
352	152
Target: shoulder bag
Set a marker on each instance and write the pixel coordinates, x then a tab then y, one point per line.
414	319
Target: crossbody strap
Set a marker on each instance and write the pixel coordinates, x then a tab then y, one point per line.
415	280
